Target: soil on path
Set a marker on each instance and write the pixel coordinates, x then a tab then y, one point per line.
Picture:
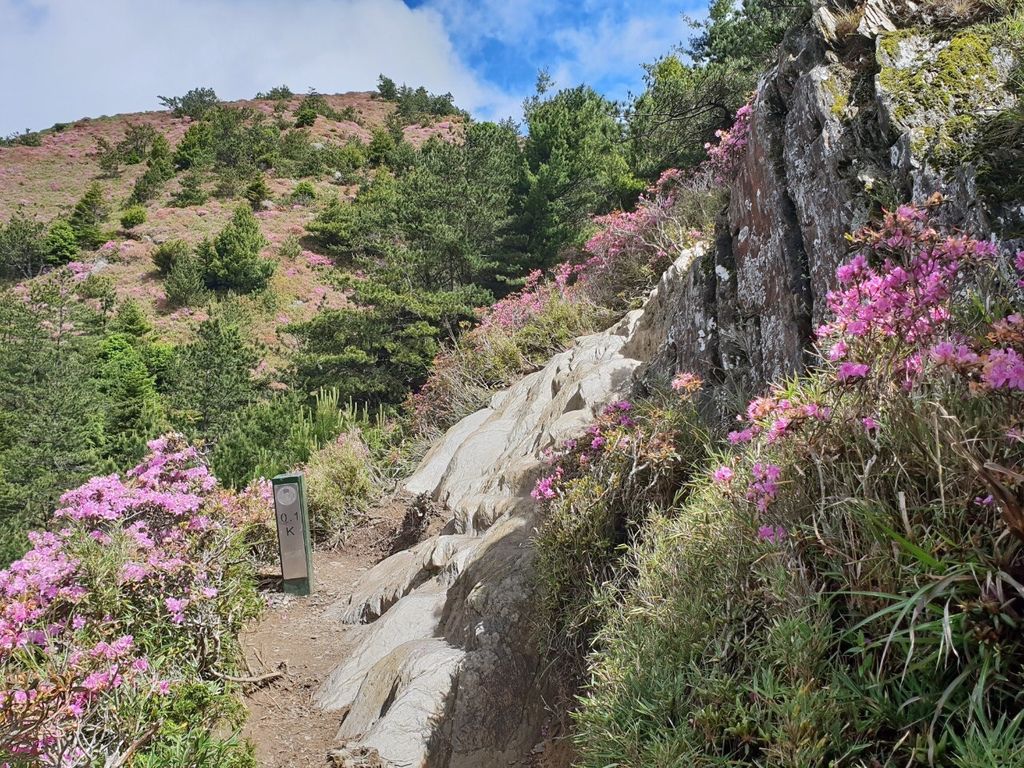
284	725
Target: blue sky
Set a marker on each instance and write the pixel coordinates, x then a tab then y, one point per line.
65	59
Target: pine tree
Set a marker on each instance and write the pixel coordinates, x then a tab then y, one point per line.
191	192
212	377
133	412
61	244
131	320
88	217
232	260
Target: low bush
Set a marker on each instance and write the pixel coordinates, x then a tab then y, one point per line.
256	192
291	248
271	436
169	253
341	485
133	216
838	585
119	627
304	193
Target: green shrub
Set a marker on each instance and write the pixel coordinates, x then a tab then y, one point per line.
268	437
277	93
305	116
133	216
340	485
159	169
184	286
131	320
232	261
228	184
191	191
61	244
647	452
290	248
196	148
466	374
304	193
195	104
88	216
169	253
256	192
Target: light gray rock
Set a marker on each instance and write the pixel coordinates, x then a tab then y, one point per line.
416	616
432	679
396	576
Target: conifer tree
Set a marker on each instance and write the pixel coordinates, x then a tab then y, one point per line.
61	244
212	377
88	217
232	260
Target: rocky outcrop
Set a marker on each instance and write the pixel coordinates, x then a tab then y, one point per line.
856	115
447	671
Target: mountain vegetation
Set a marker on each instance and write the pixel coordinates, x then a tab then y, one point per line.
224	292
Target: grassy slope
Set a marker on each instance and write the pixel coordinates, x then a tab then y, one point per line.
47	181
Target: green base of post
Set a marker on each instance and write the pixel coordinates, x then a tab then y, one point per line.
301	587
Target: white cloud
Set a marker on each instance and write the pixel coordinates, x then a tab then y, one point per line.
64	59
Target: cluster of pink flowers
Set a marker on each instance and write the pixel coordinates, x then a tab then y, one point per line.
775	416
894	321
61	654
79	269
764	486
725	156
317	260
897	287
687	383
607	433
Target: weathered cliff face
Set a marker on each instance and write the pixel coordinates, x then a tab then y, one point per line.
448	672
852	118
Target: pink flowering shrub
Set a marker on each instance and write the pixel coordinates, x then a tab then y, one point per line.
850	552
725	156
131	600
596	489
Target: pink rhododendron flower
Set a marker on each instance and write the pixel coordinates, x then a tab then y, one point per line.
953	355
722	475
773	534
849	371
686	382
1004	369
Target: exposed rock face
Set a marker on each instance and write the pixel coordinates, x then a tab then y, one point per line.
447	673
841	125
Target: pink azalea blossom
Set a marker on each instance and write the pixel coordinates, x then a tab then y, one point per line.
849	371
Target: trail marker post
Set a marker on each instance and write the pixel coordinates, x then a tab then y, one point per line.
293	539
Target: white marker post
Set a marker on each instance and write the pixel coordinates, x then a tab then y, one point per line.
293	538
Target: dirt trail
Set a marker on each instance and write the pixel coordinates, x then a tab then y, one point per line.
284	725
